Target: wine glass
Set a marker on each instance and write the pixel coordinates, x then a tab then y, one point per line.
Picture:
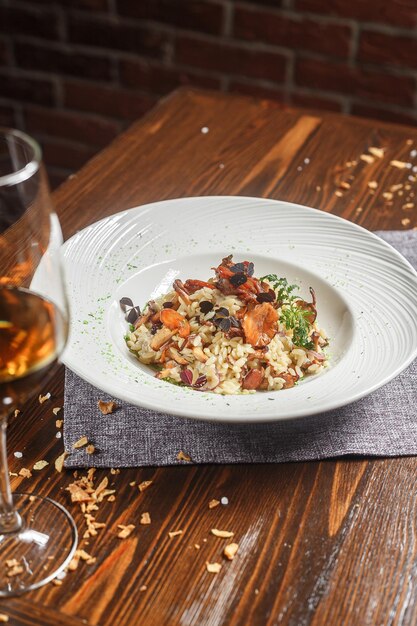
38	536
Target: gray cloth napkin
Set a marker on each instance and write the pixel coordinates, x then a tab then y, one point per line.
382	424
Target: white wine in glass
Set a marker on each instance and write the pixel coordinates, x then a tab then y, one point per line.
38	536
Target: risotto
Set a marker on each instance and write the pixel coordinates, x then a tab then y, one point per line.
233	334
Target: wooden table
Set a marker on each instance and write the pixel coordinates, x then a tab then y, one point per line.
330	542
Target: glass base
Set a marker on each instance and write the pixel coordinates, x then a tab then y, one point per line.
42	547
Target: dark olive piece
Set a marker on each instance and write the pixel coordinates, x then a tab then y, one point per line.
133	315
206	306
269	296
168	305
222	312
125	303
238	279
238	268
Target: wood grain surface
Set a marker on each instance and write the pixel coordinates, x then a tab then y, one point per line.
321	543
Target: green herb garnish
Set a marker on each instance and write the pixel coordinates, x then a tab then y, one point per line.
292	316
281	287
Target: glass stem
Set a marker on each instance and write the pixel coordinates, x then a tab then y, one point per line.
9	518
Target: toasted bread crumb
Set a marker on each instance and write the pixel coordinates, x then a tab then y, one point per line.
44	398
223	534
83	441
40	465
213	503
145	518
59	462
125	530
230	550
213	568
25	472
174	533
182	456
144	485
106	407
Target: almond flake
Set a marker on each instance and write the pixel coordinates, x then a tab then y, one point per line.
145	518
84	556
132	484
367	158
15	571
78	494
12	562
213	568
40	465
59	461
91	473
213	503
318	188
83	441
25	473
114	471
56	410
75	561
56	582
174	533
387	195
125	530
405	221
4	618
16	413
111	498
377	152
144	485
44	398
90	449
197	546
408	205
143	588
395	188
344	185
230	550
223	534
372	184
182	456
401	165
106	407
338	193
58	423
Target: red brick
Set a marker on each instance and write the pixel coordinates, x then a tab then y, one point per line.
4	53
391	49
7	116
94	5
292	32
354	81
393	12
105	100
28	21
65	154
154	78
60	60
256	90
196	15
86	129
109	33
366	110
20	87
311	101
231	59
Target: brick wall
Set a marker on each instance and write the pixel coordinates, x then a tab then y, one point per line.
74	73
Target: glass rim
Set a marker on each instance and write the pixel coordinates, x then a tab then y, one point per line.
31	167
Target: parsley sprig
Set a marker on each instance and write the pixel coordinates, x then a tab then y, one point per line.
292	316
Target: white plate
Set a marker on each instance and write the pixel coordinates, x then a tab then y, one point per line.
366	293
